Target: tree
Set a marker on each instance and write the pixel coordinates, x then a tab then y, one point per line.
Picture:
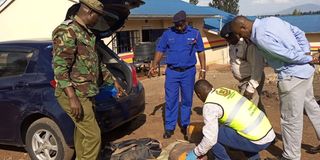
195	2
230	6
296	12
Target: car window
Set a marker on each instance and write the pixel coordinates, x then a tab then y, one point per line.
1	2
13	63
4	4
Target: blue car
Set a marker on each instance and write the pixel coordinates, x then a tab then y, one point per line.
30	115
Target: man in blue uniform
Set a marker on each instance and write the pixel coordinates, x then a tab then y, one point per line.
179	43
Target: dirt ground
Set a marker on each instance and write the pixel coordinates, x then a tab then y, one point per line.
150	124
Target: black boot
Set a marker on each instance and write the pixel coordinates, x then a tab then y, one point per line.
314	150
167	134
277	158
184	132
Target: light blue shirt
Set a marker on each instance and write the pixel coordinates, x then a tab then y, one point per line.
285	47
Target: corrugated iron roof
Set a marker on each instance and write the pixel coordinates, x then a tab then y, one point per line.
167	8
213	24
307	23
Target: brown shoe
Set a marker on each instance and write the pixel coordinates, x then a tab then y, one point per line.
314	150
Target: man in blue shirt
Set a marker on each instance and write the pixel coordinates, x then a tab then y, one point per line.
179	43
287	51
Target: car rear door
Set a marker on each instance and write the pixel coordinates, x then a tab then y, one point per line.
13	93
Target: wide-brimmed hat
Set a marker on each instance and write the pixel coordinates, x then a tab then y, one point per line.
95	5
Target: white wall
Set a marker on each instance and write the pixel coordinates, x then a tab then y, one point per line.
25	19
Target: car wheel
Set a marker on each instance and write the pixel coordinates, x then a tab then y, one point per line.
44	141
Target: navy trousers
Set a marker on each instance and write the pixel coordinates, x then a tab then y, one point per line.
178	83
230	138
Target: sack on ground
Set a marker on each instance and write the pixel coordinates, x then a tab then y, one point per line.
177	151
134	149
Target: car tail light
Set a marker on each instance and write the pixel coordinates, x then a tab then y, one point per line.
134	76
53	83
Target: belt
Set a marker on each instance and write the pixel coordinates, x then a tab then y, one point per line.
179	69
92	99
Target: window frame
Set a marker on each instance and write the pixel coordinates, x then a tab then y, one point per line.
20	49
153	34
134	38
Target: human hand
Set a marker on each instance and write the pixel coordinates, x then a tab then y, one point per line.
191	155
315	59
120	90
76	108
202	74
153	71
248	94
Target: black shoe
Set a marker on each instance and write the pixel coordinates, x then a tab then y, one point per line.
184	132
277	158
167	134
314	150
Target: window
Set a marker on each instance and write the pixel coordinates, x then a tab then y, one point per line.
125	41
13	63
151	35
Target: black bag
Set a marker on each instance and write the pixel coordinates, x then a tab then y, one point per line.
135	149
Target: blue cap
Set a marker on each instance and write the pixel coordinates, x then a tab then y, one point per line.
180	16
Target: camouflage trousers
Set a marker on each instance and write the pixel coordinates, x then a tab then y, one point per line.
87	136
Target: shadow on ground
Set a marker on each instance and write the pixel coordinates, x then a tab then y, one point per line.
198	110
12	148
125	129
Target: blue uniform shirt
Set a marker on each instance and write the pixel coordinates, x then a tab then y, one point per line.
180	48
285	47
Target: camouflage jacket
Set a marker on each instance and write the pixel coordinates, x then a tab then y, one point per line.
75	59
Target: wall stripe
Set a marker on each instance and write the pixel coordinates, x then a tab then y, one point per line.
219	40
128	57
215	44
215	47
314	48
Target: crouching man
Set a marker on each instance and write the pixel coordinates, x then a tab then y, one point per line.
243	126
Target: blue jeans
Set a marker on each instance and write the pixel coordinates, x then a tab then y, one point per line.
178	83
230	138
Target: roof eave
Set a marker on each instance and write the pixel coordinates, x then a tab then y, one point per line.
158	16
211	31
312	32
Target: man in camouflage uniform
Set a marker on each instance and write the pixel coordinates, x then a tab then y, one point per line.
76	69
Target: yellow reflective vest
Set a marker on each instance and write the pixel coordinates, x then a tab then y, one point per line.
240	114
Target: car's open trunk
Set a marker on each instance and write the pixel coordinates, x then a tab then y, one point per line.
118	11
120	69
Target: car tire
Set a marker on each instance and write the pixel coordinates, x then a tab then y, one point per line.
45	141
